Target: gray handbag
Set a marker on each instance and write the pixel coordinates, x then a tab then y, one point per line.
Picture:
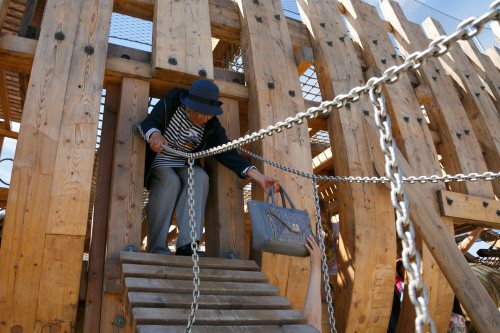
279	229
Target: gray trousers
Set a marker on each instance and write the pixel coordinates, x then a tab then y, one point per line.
168	191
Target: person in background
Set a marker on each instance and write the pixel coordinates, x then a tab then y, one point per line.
186	121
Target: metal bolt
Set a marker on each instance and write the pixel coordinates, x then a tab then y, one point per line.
498	212
256	2
393	56
485	204
130	248
437	70
348	105
172	61
230	255
59	35
366	112
407	119
202	73
322	24
291	93
375	41
330	43
434	78
259	19
477	94
277	16
94	276
342	40
449	201
383	61
467	75
482	87
89	50
270	85
466	132
459	135
125	56
120	321
419	120
117	282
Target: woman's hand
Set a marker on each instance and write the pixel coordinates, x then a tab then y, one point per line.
156	140
264	181
314	252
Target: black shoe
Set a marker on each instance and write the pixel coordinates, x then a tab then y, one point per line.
187	251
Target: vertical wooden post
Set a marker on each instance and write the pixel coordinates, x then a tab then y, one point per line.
182	43
126	199
495	26
4	6
97	254
42	243
494	53
224	217
274	95
367	257
414	140
482	113
29	13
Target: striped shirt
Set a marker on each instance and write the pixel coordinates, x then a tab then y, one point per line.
181	134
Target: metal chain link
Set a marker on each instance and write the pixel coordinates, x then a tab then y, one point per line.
324	266
194	247
466	30
486	176
404	226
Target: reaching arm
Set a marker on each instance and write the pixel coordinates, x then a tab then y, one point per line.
264	181
312	304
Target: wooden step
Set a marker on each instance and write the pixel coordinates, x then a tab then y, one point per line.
181	261
235	302
216	317
179	273
206	287
227	329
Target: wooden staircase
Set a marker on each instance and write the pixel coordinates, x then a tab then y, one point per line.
234	296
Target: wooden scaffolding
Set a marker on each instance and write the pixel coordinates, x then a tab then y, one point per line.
55	61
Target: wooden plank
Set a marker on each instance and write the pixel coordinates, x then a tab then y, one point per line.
29	13
495	26
217	317
485	68
235	302
413	138
181	261
97	253
4	99
471	294
206	287
24	232
365	284
224	227
494	53
177	26
228	329
268	58
471	209
445	112
179	273
4	6
482	113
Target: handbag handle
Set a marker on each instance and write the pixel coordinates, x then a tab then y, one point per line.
283	195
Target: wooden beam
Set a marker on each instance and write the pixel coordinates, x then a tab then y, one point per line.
29	13
494	53
224	227
4	98
482	113
413	138
177	26
472	296
44	233
92	319
470	209
495	26
304	59
8	133
365	282
4	6
268	57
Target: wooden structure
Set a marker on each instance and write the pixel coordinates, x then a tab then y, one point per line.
53	70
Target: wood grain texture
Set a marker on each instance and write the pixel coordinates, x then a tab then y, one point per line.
228	329
414	140
494	53
224	216
467	288
365	283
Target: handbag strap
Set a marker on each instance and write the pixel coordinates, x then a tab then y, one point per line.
283	195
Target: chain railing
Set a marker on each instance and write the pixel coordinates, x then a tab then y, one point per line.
411	259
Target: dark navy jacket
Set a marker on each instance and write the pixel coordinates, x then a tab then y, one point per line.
213	136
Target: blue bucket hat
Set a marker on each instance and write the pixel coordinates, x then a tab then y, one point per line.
203	97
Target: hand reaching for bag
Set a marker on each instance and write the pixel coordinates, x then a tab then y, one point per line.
264	181
156	140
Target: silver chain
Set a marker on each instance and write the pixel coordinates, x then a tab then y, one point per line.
324	266
487	176
194	247
404	226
